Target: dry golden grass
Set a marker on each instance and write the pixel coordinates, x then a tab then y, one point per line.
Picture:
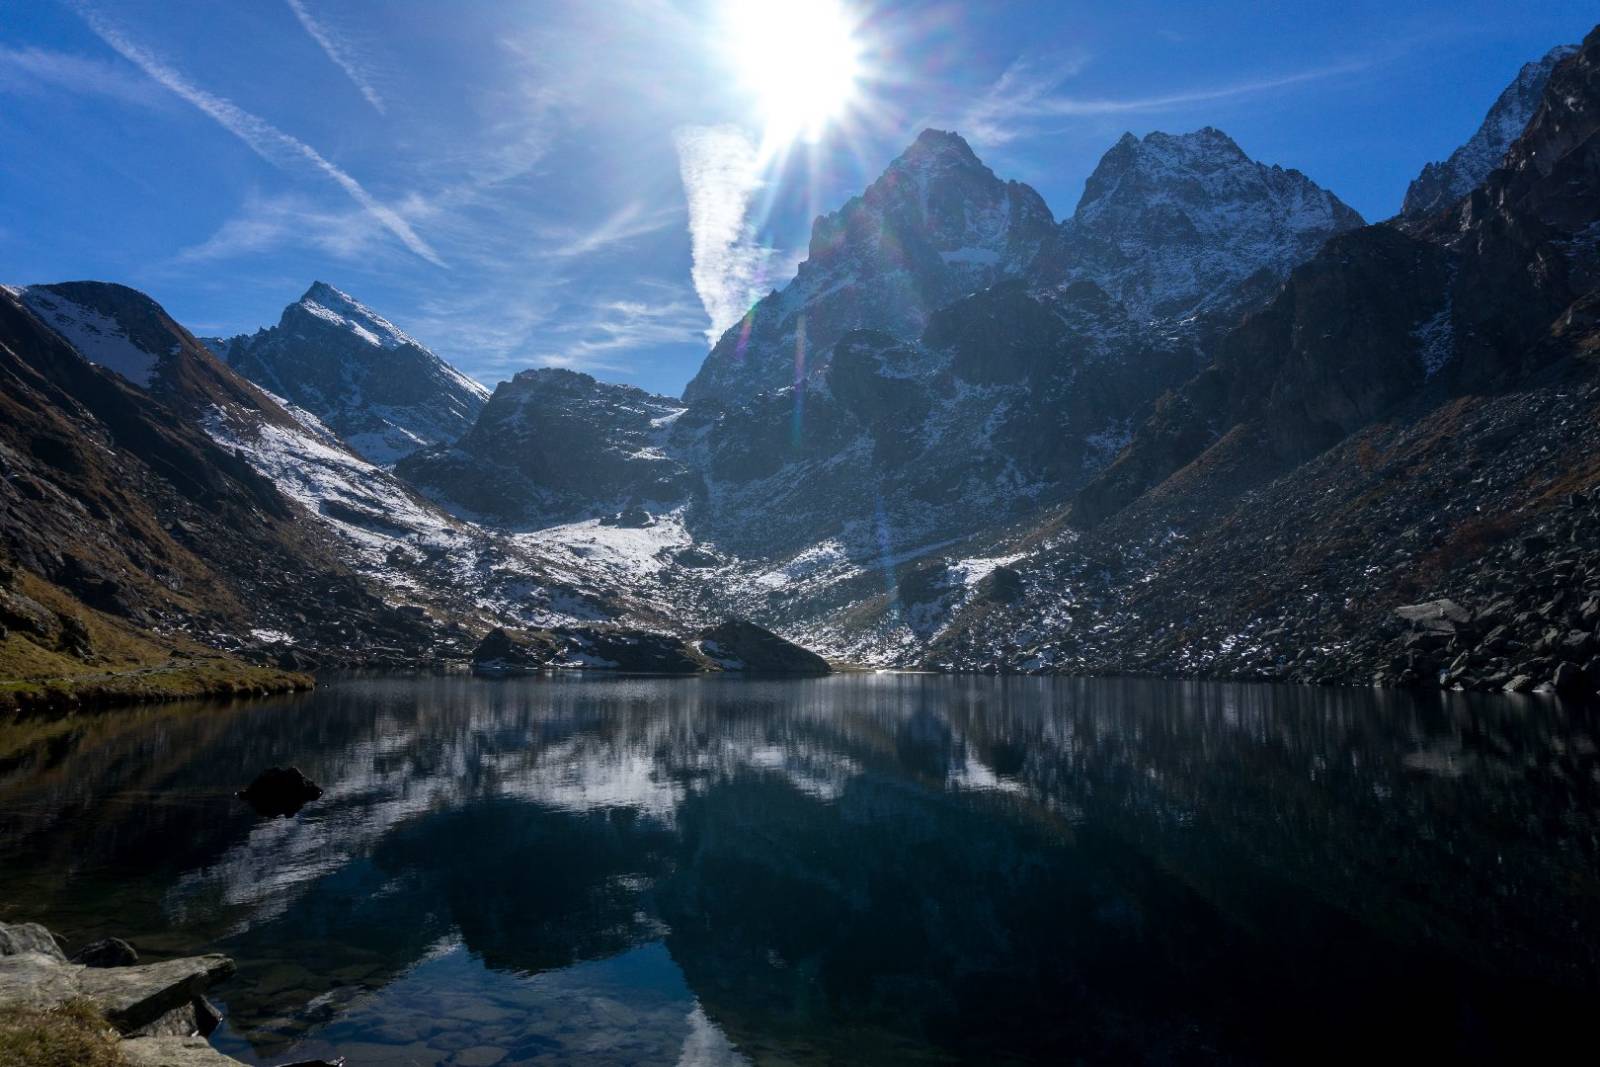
73	1035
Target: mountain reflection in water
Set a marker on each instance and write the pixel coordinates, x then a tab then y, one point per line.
850	869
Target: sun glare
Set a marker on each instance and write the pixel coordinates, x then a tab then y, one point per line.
800	59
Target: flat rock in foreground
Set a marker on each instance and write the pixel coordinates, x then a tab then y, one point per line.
129	997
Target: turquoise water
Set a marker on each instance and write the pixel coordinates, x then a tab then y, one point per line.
872	869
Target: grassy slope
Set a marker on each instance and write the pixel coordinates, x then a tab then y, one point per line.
128	666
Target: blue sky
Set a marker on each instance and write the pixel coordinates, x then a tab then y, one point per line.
525	184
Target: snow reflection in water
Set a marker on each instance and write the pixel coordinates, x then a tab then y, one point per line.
858	868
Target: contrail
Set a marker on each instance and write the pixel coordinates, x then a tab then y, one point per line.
339	52
265	139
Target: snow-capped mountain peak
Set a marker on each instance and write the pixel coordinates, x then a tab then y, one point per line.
382	391
343	310
1171	225
99	337
1441	185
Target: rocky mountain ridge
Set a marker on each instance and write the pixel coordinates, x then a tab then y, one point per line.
382	392
1441	185
1173	227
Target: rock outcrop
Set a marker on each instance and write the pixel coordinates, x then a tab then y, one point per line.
107	952
552	445
160	1006
740	645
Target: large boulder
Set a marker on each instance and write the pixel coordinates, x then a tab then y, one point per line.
183	1051
280	791
739	645
107	952
17	939
1436	616
1571	682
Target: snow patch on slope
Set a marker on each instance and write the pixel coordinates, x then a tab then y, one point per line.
98	338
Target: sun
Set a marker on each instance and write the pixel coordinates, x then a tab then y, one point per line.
799	59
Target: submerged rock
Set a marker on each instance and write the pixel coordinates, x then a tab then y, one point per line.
738	645
280	791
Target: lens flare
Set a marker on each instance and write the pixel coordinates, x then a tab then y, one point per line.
799	59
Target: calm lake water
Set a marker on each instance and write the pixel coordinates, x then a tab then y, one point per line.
872	869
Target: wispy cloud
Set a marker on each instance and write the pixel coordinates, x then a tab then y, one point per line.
630	221
340	52
268	223
606	333
265	139
614	327
31	70
721	175
1027	94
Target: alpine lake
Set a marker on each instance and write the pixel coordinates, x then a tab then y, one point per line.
864	868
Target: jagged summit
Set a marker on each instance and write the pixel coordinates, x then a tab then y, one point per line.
939	146
382	391
343	310
1173	224
1440	185
934	227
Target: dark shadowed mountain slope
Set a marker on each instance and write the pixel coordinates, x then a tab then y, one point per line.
552	445
383	393
129	525
1414	419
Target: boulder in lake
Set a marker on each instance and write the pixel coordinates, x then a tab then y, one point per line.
633	651
107	952
740	645
280	791
1570	682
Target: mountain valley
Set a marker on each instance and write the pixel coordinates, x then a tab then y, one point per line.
1210	423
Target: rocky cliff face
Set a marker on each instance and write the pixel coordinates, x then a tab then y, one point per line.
383	393
1170	227
122	517
1441	185
554	444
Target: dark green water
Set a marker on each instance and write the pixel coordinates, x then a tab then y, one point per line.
868	869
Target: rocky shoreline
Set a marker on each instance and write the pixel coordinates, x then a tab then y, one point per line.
157	1012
